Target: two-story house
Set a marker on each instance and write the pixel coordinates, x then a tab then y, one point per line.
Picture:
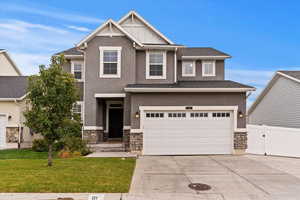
155	96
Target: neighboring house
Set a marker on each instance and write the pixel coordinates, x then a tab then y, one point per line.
12	93
155	96
7	65
279	102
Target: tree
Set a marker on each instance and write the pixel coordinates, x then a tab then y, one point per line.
51	95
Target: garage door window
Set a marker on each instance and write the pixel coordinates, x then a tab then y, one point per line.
195	115
221	114
177	115
154	115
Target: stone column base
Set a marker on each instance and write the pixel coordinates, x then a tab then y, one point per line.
93	136
240	141
136	141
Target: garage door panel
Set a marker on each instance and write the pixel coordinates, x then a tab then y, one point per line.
188	135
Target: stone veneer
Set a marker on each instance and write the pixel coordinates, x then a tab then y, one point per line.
136	141
240	140
12	134
126	139
93	136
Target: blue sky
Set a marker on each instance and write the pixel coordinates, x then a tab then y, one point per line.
262	36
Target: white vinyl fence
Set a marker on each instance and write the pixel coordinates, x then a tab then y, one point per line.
272	140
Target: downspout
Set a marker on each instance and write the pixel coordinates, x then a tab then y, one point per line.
175	65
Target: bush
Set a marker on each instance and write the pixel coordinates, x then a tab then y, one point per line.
39	145
68	154
76	144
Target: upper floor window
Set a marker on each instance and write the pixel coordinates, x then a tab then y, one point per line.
208	68
78	109
188	68
77	70
110	62
156	65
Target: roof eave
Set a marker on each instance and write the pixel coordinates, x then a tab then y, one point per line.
188	89
205	57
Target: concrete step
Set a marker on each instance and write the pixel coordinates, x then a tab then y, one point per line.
107	147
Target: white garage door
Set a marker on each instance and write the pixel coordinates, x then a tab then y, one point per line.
187	132
3	121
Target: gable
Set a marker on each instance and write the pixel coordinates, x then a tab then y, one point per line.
142	30
109	28
7	67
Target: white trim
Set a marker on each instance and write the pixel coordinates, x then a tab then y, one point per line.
161	47
131	13
205	57
188	89
6	54
73	56
183	108
109	95
12	126
92	128
213	62
107	48
110	21
126	127
164	75
73	62
136	130
14	99
289	77
175	65
108	103
183	70
81	103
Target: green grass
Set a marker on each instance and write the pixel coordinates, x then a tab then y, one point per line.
101	175
23	154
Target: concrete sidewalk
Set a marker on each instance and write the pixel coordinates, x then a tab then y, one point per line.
112	155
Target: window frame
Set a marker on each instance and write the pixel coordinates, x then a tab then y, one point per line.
80	103
164	66
213	65
183	68
73	62
112	48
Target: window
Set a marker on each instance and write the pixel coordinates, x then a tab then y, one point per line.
77	70
177	115
196	115
77	108
208	68
156	65
226	114
188	68
154	115
110	62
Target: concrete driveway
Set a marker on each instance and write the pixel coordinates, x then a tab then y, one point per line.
231	177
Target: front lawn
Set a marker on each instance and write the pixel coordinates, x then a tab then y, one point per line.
100	175
23	154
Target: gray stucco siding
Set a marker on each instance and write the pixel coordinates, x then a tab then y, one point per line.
280	106
94	84
219	71
187	99
141	68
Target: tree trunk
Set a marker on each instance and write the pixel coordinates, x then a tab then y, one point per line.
50	155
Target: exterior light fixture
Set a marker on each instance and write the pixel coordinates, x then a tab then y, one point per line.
241	114
137	114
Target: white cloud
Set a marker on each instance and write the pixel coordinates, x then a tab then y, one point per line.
52	13
29	63
22	26
33	44
79	28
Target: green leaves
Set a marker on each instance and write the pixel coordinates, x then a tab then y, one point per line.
51	95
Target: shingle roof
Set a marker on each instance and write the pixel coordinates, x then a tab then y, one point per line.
71	51
194	84
200	51
294	74
13	86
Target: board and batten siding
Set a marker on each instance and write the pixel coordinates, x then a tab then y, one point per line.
280	106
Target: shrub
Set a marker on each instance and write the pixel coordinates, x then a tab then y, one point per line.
39	145
64	154
74	144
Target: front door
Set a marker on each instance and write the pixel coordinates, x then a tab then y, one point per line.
115	123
